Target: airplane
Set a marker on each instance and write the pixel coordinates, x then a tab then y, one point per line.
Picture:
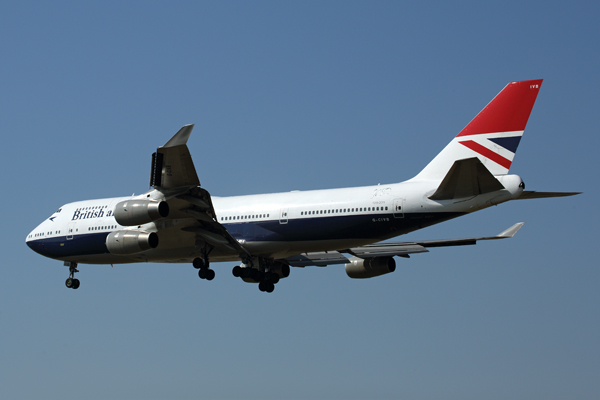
178	221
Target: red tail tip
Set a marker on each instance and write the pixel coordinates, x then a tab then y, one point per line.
508	111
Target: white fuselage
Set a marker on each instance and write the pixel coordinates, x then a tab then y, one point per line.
274	225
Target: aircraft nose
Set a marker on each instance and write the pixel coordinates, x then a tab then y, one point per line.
36	245
28	239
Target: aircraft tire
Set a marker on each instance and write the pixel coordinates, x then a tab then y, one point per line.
270	287
255	274
69	283
202	273
210	274
237	271
268	277
76	284
265	286
198	263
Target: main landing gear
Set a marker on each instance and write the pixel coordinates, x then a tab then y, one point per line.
266	279
204	272
72	282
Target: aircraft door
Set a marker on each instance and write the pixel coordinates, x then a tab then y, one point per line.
399	208
70	230
283	216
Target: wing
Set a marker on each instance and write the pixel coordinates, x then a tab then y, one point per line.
389	249
172	165
174	175
196	203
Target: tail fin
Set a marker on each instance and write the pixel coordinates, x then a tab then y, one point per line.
492	136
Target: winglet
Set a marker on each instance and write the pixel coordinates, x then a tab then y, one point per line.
510	232
180	137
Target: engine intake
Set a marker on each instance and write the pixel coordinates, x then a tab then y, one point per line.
139	212
360	268
131	242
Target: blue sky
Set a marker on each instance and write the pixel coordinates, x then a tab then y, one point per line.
295	96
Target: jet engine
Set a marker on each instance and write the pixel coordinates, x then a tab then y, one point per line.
360	268
281	269
139	212
131	242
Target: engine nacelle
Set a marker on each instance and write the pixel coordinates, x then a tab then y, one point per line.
139	212
131	242
281	269
360	268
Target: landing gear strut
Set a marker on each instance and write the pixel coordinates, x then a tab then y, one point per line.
202	265
72	282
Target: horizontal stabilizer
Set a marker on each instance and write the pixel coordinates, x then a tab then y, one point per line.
466	178
530	194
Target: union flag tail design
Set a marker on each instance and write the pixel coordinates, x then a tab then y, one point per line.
493	135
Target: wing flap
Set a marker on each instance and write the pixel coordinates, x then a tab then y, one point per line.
387	250
320	259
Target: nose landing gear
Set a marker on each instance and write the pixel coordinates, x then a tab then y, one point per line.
72	282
